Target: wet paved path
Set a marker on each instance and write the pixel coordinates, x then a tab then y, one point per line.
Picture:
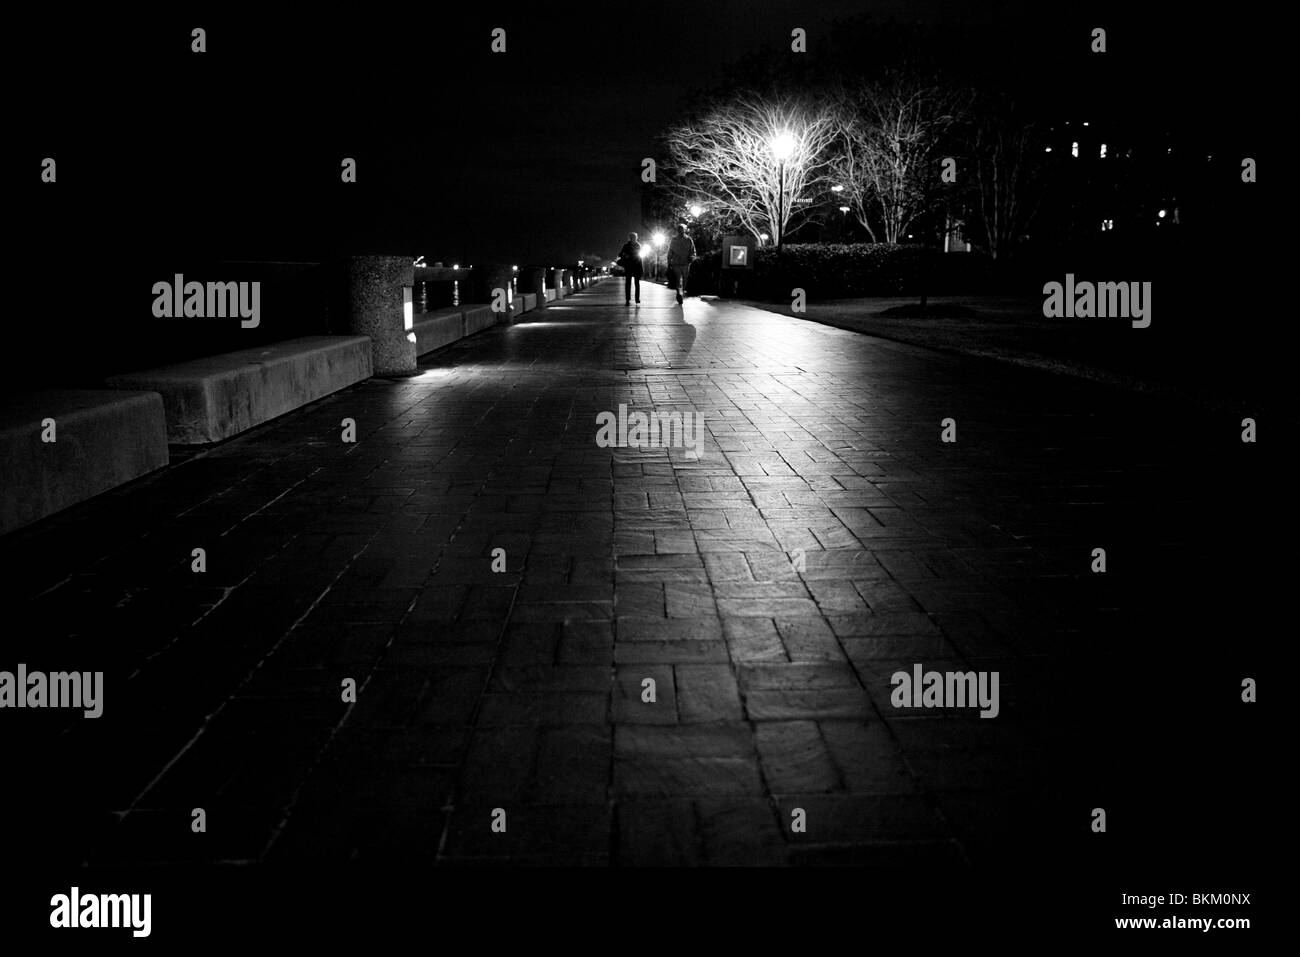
824	539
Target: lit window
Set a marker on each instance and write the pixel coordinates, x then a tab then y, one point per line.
1074	148
1103	150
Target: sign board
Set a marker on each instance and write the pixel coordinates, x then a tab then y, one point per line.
737	252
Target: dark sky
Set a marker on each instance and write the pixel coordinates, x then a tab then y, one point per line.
530	156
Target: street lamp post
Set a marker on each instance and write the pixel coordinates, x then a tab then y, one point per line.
780	206
783	145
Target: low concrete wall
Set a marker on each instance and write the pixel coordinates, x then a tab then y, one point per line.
532	281
103	439
433	330
211	399
478	318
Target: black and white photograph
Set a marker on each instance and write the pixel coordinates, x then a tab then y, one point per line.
667	472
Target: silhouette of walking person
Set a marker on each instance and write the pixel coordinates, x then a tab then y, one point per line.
629	257
681	251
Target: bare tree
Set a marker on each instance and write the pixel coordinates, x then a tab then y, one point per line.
888	150
1008	158
726	154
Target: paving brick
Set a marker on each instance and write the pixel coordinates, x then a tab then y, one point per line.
824	540
658	833
816	705
794	757
707	693
630	706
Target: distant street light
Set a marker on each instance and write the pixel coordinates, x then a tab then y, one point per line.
697	210
657	242
837	189
844	210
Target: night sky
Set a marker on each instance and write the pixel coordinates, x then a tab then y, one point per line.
532	156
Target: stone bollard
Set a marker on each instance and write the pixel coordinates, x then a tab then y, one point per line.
380	306
533	279
490	277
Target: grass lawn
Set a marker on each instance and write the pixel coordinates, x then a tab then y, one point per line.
1198	361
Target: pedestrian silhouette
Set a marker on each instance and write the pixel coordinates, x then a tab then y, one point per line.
629	257
681	252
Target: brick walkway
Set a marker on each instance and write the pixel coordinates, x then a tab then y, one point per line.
521	689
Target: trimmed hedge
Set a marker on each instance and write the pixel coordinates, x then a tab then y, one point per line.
831	270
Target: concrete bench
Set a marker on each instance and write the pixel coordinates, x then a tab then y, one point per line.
211	399
527	300
478	318
550	295
433	330
103	439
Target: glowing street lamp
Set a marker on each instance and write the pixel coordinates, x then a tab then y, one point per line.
837	189
697	210
783	146
657	242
